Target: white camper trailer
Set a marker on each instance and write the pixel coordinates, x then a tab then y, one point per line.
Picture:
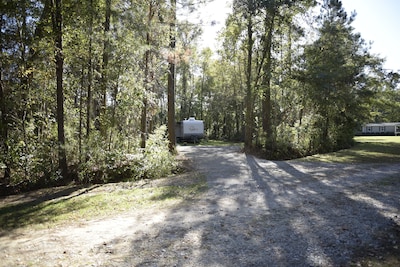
189	130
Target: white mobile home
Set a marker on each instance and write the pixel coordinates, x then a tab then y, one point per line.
385	128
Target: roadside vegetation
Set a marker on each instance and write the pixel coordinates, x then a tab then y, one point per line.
103	166
52	206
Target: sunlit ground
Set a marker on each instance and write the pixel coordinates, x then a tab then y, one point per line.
368	149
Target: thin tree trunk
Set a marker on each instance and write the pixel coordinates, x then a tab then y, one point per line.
143	121
249	123
80	130
24	85
190	105
57	31
239	105
202	93
266	99
104	68
106	55
4	132
184	95
171	81
325	142
90	73
4	121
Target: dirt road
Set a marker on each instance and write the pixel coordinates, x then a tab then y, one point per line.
255	213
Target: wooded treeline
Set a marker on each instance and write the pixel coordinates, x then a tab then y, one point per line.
87	87
299	77
83	90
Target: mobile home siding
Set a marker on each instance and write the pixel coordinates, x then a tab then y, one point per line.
387	128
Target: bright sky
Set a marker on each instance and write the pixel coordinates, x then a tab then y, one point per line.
213	17
378	21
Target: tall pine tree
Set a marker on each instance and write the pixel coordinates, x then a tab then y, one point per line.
334	65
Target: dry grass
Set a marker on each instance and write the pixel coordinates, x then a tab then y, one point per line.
72	203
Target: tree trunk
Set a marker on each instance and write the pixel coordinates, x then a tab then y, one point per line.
57	32
239	105
106	51
266	84
4	121
143	121
171	81
184	96
325	142
90	73
143	124
81	107
249	123
25	84
202	93
104	70
4	131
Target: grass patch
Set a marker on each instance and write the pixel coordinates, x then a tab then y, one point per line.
211	142
100	202
220	143
368	149
391	261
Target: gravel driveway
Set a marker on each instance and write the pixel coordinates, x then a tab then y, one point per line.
255	213
292	213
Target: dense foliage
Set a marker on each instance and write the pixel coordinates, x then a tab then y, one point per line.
86	86
82	90
293	78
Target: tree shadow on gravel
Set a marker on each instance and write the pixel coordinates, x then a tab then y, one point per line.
264	213
339	225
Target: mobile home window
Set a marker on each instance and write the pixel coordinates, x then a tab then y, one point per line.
382	129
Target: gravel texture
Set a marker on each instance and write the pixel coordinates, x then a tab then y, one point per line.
254	213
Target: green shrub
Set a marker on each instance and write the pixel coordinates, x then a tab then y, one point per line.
157	160
104	165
